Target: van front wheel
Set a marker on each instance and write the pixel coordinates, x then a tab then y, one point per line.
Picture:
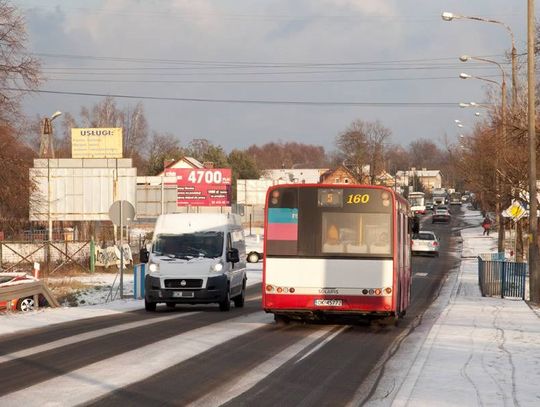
149	306
225	305
241	298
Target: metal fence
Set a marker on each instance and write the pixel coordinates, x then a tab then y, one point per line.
502	278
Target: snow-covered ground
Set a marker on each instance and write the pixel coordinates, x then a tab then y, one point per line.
465	350
92	302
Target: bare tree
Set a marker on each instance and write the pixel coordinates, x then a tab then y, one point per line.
15	159
162	147
364	143
102	114
288	155
135	131
18	70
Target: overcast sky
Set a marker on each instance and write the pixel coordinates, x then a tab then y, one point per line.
393	61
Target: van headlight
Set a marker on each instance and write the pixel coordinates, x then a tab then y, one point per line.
153	267
216	268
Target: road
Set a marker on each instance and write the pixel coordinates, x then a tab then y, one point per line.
200	356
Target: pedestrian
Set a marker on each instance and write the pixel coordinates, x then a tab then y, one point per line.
486	224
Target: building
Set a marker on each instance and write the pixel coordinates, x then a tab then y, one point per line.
430	179
294	176
340	175
184	162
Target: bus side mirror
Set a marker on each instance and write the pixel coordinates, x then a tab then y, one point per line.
144	255
233	256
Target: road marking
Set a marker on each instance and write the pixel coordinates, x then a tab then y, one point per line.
320	345
88	335
100	378
241	384
420	274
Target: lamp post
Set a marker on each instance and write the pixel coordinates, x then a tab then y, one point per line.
498	203
448	16
46	149
501	233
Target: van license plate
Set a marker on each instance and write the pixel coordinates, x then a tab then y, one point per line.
328	303
183	294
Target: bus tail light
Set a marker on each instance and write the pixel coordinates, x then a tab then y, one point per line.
291	290
279	290
269	288
378	291
388	290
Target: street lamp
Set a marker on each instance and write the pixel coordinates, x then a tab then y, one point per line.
46	149
448	16
465	58
498	203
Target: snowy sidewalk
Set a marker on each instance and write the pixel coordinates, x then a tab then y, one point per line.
469	350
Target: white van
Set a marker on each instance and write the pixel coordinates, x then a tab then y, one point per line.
196	258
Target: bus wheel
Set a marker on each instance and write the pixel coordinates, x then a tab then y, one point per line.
281	319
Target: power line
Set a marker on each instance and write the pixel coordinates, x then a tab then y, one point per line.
246	101
252	63
264	81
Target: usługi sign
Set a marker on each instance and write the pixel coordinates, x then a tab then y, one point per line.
96	142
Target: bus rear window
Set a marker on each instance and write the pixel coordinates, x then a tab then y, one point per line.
356	233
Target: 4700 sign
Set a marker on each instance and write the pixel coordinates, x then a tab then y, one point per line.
205	176
202	187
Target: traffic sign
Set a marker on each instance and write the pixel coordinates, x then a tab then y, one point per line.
516	211
121	212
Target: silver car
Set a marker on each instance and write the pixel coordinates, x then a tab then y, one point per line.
425	242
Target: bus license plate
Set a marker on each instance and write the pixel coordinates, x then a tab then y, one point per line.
328	303
183	294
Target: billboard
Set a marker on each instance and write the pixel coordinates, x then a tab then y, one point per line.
201	186
96	143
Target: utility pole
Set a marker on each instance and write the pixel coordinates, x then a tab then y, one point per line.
533	206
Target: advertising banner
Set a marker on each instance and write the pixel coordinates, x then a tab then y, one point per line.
96	143
202	187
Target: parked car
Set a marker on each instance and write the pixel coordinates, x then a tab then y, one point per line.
21	304
441	214
425	242
429	206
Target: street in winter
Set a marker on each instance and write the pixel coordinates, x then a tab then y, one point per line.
292	203
464	349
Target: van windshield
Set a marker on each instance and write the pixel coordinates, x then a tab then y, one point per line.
189	245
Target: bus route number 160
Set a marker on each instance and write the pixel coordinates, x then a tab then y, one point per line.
358	199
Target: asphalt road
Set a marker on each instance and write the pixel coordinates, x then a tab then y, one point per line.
202	356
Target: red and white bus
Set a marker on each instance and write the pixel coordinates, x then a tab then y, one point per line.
336	249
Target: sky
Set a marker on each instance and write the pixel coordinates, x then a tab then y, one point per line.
243	72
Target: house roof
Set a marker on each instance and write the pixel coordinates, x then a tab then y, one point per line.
341	167
184	162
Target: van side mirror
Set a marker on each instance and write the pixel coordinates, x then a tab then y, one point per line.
233	256
144	255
